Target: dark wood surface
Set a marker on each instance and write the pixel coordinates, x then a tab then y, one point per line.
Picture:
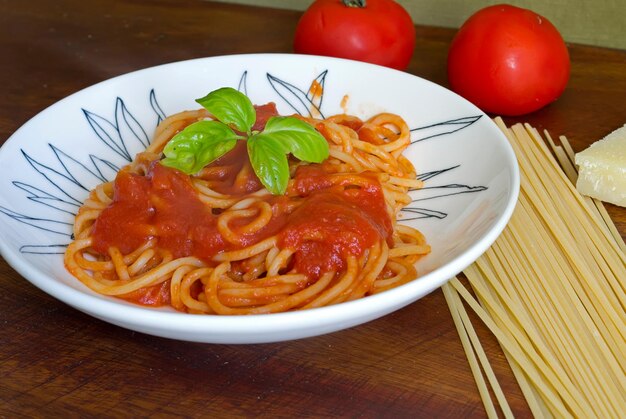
57	361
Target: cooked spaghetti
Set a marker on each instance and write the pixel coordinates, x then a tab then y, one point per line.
218	242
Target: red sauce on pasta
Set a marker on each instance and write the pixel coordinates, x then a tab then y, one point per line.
126	222
334	222
162	204
157	236
323	221
328	224
263	113
156	295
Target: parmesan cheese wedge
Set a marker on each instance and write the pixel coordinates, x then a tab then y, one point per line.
602	169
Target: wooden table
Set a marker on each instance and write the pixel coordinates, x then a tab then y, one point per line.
57	361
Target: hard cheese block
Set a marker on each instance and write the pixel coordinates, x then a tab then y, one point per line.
602	169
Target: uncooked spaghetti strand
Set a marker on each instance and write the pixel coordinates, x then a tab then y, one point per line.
554	221
604	289
576	317
559	333
545	163
533	364
599	320
535	401
521	321
530	343
473	349
516	283
536	404
592	316
554	170
601	246
483	391
523	330
589	266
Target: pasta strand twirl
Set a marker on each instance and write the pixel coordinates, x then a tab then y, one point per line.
218	242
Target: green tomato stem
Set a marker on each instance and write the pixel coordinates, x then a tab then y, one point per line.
354	3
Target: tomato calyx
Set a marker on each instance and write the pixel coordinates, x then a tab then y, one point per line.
354	3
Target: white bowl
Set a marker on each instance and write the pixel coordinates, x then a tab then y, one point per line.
48	166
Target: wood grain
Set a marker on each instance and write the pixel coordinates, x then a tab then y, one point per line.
57	361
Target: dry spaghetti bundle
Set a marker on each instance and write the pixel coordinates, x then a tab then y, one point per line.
552	291
218	242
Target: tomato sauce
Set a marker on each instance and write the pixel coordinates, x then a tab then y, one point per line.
156	295
263	113
127	221
333	222
232	174
323	219
329	223
162	204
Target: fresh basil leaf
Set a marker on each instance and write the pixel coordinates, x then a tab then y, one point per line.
268	157
231	107
298	137
198	145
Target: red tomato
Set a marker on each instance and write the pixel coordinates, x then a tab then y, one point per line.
508	61
376	31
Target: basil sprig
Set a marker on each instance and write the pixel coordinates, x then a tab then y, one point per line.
203	142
